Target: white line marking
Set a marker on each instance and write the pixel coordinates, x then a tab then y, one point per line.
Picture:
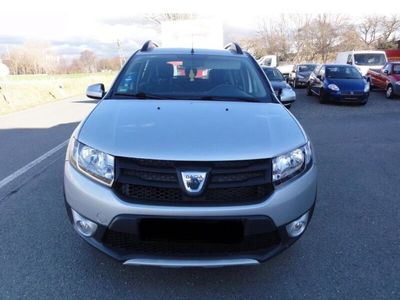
29	166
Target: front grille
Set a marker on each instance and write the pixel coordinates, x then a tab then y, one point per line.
352	93
228	182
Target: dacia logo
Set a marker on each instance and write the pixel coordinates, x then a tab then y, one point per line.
193	181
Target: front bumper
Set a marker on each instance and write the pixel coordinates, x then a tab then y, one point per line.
348	97
396	89
301	81
118	223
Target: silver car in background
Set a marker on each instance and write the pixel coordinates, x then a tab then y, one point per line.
281	88
190	160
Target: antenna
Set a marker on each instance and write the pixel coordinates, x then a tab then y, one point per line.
192	51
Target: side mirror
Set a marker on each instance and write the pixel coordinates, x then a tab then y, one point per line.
287	97
386	72
95	91
319	77
349	62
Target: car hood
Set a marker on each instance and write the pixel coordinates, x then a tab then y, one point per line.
348	84
305	74
191	130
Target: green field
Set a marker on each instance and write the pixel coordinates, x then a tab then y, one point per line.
19	92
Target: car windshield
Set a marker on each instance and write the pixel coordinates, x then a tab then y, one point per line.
306	68
273	74
342	72
396	69
369	59
192	76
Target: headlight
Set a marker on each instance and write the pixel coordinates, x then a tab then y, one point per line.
366	88
397	82
333	87
291	164
91	162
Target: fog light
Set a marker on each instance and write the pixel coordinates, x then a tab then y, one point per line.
82	225
298	226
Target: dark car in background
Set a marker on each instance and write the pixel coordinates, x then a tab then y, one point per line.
283	90
300	74
387	78
339	83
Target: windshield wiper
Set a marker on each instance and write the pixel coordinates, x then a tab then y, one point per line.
233	98
142	95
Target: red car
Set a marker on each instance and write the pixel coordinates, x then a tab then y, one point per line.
387	78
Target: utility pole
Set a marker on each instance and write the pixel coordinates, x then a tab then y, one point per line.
121	58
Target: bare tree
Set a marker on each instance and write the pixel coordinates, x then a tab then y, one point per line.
369	29
159	18
89	61
379	31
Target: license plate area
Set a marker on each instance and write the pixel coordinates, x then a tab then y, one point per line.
203	231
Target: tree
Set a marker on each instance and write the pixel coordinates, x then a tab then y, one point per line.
379	32
88	61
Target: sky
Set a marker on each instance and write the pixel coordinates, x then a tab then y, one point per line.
73	26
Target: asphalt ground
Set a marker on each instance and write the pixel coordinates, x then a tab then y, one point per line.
350	250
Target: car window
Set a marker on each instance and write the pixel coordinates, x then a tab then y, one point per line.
273	74
306	68
342	72
387	67
190	76
349	60
322	72
369	59
396	69
317	69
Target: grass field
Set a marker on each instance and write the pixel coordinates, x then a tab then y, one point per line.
19	92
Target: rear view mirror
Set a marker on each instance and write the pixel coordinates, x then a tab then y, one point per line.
95	91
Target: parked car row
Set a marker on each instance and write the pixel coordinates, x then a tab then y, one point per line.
349	79
387	78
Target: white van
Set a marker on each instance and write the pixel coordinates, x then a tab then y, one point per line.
363	59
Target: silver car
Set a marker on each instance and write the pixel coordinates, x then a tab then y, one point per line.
190	160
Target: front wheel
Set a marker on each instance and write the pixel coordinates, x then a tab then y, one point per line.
389	92
322	97
309	92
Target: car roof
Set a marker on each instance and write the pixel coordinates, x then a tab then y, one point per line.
337	65
302	64
172	51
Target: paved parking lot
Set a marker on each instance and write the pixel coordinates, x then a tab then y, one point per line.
351	249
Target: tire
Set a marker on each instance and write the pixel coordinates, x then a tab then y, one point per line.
370	84
322	99
309	93
389	92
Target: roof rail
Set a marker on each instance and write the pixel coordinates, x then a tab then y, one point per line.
148	46
234	47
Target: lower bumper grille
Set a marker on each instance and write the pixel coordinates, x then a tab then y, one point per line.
128	243
180	237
